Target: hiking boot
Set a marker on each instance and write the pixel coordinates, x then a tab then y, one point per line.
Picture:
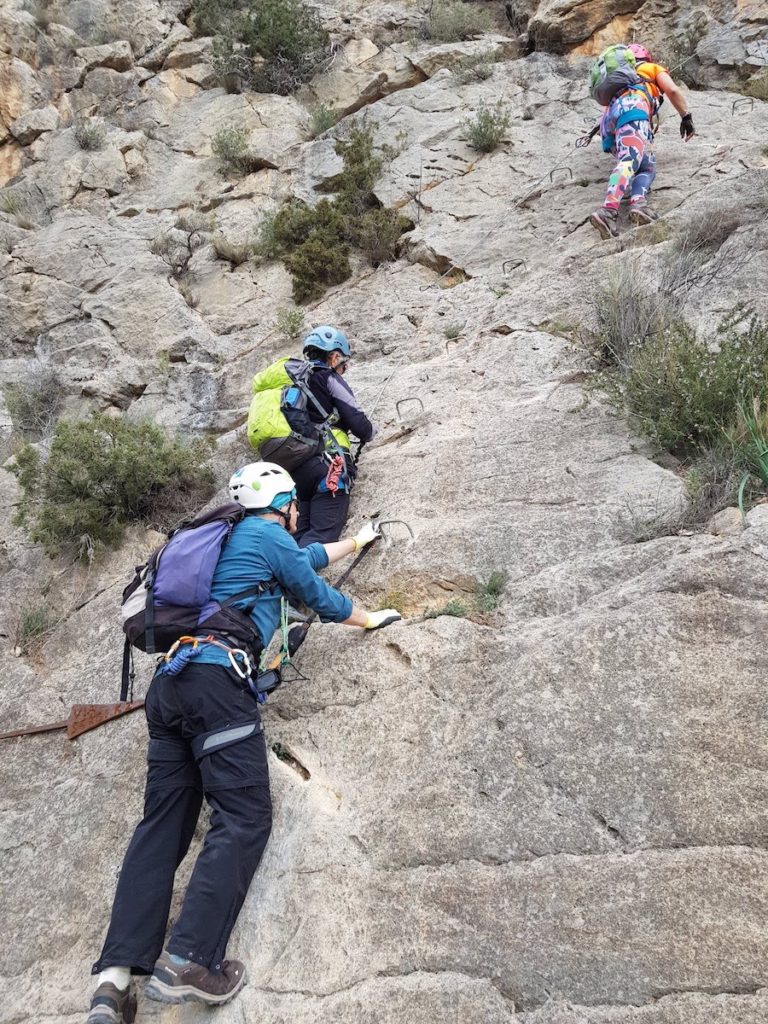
111	1005
606	221
191	982
641	213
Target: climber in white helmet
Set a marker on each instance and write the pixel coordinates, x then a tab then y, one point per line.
206	740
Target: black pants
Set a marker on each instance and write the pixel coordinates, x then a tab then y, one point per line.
322	516
205	740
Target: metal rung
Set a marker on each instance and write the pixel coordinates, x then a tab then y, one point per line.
563	167
392	522
738	104
513	264
403	401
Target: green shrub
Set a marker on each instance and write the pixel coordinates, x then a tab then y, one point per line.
684	393
455	608
489	593
487	128
230	145
33	622
316	264
102	473
452	331
314	242
209	17
626	312
90	134
377	233
289	323
321	119
290	37
451	21
362	167
34	402
476	67
268	45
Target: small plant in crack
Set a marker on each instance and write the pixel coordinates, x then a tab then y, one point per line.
489	594
487	128
452	331
176	248
90	134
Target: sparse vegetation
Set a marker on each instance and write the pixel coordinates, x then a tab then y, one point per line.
699	396
90	134
455	608
321	119
452	331
684	392
32	624
230	146
102	473
488	126
17	207
757	86
489	593
177	247
476	68
396	599
314	242
451	21
34	401
268	45
289	323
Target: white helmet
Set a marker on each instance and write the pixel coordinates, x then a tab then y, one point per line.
260	484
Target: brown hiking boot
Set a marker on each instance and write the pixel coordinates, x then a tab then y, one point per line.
641	213
606	220
191	982
111	1005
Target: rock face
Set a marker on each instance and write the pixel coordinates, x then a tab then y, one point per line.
550	813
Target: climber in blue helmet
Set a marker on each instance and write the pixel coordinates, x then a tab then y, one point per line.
324	473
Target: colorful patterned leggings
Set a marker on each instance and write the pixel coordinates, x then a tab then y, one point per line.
635	166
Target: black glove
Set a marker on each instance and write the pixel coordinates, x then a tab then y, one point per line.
686	127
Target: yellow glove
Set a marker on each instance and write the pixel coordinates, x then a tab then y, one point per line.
366	535
378	620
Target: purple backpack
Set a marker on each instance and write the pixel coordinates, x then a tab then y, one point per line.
170	595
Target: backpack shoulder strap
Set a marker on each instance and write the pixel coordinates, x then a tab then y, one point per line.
255	591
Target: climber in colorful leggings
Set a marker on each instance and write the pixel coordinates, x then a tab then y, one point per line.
626	129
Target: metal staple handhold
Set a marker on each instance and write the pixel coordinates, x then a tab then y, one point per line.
389	522
451	341
562	167
513	264
737	104
402	401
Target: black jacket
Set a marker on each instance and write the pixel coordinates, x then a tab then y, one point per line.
333	392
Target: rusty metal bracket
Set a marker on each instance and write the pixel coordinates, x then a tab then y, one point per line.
391	522
738	104
513	264
561	167
403	401
82	718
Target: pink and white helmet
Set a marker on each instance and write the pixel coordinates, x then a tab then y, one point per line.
640	52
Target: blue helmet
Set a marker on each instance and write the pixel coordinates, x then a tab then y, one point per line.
328	339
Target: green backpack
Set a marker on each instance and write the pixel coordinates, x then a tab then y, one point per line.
279	425
614	71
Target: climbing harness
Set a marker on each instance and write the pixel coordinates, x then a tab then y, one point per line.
260	683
